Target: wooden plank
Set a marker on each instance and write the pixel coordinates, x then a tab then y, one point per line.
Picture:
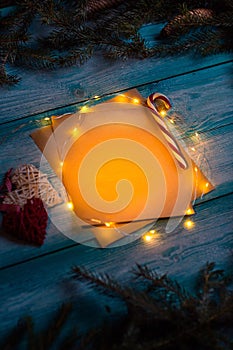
15	153
203	99
37	280
215	146
188	96
184	91
39	286
39	91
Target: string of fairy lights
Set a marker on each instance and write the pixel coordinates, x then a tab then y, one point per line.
190	141
174	120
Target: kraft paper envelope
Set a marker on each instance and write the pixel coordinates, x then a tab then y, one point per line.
116	167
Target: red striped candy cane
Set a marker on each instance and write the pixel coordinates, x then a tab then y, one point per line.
163	127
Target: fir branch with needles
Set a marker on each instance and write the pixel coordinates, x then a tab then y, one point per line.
160	314
171	317
74	31
44	339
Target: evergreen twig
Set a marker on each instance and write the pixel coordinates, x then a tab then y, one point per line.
75	30
163	317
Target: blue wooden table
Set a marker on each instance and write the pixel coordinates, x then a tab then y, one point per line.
35	281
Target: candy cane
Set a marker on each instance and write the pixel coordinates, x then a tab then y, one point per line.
163	127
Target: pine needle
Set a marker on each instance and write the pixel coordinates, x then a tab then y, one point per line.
77	29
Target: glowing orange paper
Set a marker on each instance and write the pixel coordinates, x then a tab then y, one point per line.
162	190
113	171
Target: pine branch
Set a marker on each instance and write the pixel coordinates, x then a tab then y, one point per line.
108	286
202	42
20	19
194	323
147	324
70	341
76	56
163	285
76	30
95	5
211	285
48	337
124	51
7	79
54	13
6	3
34	58
15	336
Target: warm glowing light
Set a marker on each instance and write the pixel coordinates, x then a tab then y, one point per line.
193	149
61	163
196	134
195	169
171	121
75	131
136	100
96	97
163	113
207	184
189	224
70	205
84	109
147	238
109	224
189	211
46	118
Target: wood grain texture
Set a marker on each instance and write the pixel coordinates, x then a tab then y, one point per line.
203	99
191	99
39	91
215	145
39	286
37	280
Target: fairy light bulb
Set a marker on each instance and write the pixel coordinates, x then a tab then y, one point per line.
189	211
189	224
61	164
70	205
163	113
205	187
46	118
136	100
147	238
75	131
161	106
84	109
109	224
